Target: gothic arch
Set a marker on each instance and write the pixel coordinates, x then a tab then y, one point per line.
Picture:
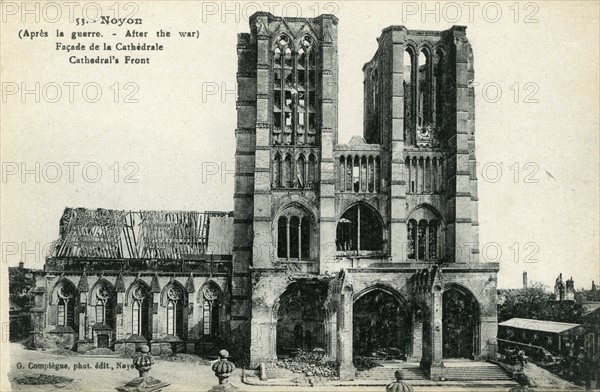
211	301
299	314
425	234
411	47
275	41
381	320
298	41
381	287
209	284
428	207
461	322
360	228
128	293
294	232
425	47
164	297
93	291
462	289
440	46
62	281
299	205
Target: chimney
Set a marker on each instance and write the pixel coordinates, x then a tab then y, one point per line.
524	279
593	286
570	290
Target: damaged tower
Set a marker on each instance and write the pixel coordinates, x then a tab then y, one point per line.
326	232
368	248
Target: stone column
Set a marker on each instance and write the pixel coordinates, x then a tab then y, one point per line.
262	251
119	316
329	124
488	330
344	335
83	303
460	229
417	338
38	313
436	333
156	322
395	42
263	332
331	337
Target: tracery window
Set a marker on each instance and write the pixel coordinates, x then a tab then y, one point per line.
102	298
290	173
294	91
423	235
360	228
174	308
294	235
210	311
139	316
66	306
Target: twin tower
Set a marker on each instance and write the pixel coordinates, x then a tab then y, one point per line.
323	226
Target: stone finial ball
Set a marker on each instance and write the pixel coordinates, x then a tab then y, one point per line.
144	349
223	354
399	374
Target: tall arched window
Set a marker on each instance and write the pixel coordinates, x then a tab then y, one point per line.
360	228
424	235
409	90
171	321
424	89
277	171
282	237
103	304
66	297
312	170
174	303
294	234
439	89
294	91
135	318
301	170
100	311
210	310
288	172
140	302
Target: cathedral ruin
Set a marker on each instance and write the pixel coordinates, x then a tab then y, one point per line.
365	247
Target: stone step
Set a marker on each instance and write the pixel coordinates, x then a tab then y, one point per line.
387	373
475	373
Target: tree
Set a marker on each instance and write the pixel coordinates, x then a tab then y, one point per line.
535	302
20	281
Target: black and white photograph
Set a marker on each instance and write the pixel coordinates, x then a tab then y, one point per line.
300	196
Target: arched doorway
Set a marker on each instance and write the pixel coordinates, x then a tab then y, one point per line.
300	316
381	326
460	324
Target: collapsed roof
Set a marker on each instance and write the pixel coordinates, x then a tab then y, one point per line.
113	234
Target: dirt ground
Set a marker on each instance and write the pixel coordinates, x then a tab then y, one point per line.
106	373
545	379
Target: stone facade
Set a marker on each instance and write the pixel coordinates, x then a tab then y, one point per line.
118	279
368	248
390	215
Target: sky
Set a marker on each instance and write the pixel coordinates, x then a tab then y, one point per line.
161	135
